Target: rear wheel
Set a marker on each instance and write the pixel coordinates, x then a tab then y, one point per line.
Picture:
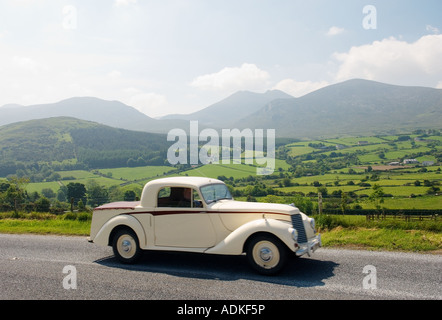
266	254
126	246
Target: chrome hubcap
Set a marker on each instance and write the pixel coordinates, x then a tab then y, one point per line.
266	254
126	246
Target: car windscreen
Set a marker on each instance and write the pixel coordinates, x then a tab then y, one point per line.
214	192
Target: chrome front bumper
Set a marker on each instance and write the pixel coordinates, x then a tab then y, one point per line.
309	247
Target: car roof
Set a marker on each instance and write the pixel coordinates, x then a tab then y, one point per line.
180	181
151	189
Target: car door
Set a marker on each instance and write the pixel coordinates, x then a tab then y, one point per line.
182	222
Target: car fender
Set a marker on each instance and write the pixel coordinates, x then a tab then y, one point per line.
234	243
102	237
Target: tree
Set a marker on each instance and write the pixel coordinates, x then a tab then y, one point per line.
97	195
61	194
130	195
76	191
4	186
323	191
433	190
317	184
376	197
48	193
287	182
81	206
344	202
427	183
42	205
13	196
302	203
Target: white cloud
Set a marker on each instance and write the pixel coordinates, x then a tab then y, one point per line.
120	3
246	77
432	29
334	31
394	61
114	74
299	88
27	64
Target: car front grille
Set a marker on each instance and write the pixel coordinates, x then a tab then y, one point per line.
299	226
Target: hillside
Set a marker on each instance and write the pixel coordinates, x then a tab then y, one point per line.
226	112
69	143
110	113
354	107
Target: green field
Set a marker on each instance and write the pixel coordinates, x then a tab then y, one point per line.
404	186
228	170
137	173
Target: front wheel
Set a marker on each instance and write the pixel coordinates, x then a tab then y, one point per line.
126	247
266	254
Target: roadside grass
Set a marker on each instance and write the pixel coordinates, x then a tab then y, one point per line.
326	222
383	239
75	224
389	234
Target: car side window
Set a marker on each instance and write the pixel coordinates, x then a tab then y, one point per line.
197	202
179	197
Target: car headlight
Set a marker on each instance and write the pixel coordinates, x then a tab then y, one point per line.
313	224
295	235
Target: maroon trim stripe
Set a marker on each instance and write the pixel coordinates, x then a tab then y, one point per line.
170	212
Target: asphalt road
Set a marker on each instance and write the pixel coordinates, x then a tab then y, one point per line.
55	267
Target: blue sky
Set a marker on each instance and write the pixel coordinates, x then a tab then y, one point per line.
178	56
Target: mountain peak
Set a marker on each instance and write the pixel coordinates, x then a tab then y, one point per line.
224	113
355	106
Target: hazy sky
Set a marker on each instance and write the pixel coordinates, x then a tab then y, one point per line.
179	56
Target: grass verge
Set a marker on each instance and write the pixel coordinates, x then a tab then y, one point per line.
383	239
389	234
56	227
76	224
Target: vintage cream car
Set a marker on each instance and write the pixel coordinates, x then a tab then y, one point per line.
195	214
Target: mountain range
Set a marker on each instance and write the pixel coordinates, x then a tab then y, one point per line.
111	113
354	107
225	113
119	115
